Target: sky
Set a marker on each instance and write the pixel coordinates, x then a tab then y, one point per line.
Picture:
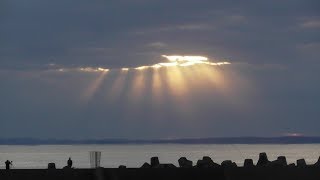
61	70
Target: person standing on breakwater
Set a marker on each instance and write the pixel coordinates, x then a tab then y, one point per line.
69	162
8	164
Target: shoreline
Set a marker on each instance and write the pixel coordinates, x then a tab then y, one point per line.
188	141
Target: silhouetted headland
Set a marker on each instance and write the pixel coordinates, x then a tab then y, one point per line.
204	168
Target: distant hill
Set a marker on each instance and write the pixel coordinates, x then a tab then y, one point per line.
218	140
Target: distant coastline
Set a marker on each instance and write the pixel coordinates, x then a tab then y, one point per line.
217	140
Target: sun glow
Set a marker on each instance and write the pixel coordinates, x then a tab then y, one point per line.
176	58
156	66
172	61
175	79
90	69
170	64
141	67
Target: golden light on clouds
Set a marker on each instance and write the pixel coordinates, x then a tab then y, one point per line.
94	86
176	79
187	64
138	86
156	86
118	86
176	58
170	64
141	67
156	66
90	69
177	84
172	61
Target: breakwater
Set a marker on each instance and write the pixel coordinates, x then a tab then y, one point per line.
204	168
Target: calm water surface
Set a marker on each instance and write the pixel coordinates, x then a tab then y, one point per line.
135	155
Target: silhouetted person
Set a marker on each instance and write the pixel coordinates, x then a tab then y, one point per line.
69	162
8	164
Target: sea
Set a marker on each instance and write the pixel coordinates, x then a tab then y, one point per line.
132	155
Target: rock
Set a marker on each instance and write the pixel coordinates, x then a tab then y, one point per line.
185	163
169	166
206	162
282	160
154	161
200	163
228	164
263	159
291	165
165	166
67	167
207	158
51	166
248	163
301	163
146	165
234	164
122	167
317	163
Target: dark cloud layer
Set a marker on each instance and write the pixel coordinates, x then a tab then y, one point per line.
273	45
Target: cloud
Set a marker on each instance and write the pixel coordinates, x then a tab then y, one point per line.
172	61
51	52
313	23
99	33
157	45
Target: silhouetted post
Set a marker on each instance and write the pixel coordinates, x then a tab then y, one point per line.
69	163
8	164
95	157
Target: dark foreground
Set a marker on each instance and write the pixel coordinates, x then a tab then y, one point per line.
205	168
246	173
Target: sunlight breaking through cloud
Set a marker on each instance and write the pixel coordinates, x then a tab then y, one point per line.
177	80
172	61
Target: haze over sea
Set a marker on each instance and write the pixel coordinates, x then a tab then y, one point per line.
31	157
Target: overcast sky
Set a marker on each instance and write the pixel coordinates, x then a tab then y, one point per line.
271	87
